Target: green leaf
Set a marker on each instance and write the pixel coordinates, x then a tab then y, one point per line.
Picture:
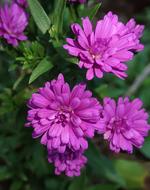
18	81
72	60
94	11
58	16
133	173
103	187
39	15
90	12
44	66
78	183
146	148
101	166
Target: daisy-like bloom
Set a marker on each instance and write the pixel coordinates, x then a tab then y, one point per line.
63	117
124	124
13	21
78	1
70	163
23	3
106	48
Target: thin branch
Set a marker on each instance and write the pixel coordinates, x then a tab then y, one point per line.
138	81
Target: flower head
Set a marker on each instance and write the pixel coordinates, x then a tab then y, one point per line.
23	3
69	162
107	48
63	117
13	21
124	124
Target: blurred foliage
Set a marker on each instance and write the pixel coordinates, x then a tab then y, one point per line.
23	161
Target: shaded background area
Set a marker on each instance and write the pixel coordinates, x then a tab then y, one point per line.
126	7
23	161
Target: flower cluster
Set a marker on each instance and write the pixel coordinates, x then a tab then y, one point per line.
107	48
13	21
64	119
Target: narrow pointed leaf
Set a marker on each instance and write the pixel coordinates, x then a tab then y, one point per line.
59	15
90	12
39	15
42	67
94	10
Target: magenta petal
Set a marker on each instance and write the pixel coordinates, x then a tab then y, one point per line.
65	135
87	26
76	121
44	139
90	74
98	72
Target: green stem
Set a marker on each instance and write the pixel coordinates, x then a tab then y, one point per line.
73	13
21	77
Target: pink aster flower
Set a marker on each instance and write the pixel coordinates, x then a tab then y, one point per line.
106	48
63	117
23	3
69	162
13	21
124	124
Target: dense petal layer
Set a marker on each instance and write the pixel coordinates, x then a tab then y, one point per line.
124	124
13	21
69	163
63	117
107	48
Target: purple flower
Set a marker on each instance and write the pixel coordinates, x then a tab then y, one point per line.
79	1
23	3
69	162
63	117
13	21
124	124
107	48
